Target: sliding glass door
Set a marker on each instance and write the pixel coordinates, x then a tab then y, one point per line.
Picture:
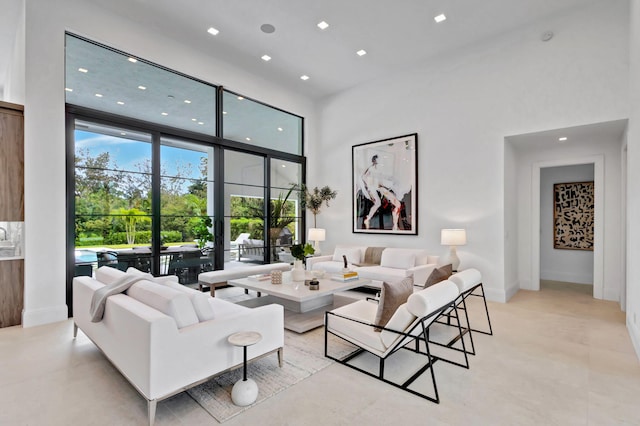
187	199
113	197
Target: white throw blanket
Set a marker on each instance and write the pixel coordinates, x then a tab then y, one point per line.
99	299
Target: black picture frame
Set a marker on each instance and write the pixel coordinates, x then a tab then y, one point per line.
385	186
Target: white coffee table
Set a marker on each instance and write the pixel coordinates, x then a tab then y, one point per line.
304	308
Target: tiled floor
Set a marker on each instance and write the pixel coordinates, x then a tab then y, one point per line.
557	357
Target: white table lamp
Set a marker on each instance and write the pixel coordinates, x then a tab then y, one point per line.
316	235
453	238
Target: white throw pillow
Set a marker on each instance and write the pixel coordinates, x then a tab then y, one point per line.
165	299
352	253
399	259
199	300
134	271
107	275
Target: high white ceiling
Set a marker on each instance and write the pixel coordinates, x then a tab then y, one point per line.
394	33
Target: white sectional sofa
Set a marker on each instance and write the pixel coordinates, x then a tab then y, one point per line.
378	263
164	337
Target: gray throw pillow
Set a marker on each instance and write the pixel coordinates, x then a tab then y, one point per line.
391	297
439	274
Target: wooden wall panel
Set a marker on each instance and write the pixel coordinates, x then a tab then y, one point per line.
11	292
11	163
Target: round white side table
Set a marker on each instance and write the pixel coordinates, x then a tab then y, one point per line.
245	391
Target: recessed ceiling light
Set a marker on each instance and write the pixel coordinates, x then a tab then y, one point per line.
280	129
98	95
304	77
83	70
224	112
248	138
323	25
284	165
187	101
164	113
194	119
123	133
240	98
562	139
68	90
267	28
142	88
200	123
361	52
120	103
132	60
440	18
212	31
266	58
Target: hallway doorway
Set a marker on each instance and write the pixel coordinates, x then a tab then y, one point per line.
526	155
572	261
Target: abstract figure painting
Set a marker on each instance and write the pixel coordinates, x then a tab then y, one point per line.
385	186
573	221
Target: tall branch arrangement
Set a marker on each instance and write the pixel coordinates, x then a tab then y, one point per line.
315	198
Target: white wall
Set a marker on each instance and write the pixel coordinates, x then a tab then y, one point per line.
510	221
46	22
633	183
575	266
14	90
462	107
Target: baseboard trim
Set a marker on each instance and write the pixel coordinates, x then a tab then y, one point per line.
36	317
512	290
566	277
634	333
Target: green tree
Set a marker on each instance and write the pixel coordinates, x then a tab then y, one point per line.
131	217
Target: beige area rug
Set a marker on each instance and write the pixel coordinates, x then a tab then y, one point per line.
303	357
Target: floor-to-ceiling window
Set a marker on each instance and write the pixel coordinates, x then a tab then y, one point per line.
173	175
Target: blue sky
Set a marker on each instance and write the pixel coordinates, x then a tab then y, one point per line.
127	153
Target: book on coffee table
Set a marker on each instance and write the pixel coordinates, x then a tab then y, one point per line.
260	277
345	276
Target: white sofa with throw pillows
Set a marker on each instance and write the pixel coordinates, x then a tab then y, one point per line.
164	337
378	264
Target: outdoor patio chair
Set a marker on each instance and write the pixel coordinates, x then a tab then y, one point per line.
411	323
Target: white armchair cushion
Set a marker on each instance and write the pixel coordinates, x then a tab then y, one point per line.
398	258
423	302
467	279
400	321
360	334
167	300
352	253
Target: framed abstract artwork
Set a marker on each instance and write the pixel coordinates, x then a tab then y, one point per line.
385	186
573	221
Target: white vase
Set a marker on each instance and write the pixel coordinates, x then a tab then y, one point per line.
297	273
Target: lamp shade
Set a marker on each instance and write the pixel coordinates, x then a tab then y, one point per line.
316	234
453	237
